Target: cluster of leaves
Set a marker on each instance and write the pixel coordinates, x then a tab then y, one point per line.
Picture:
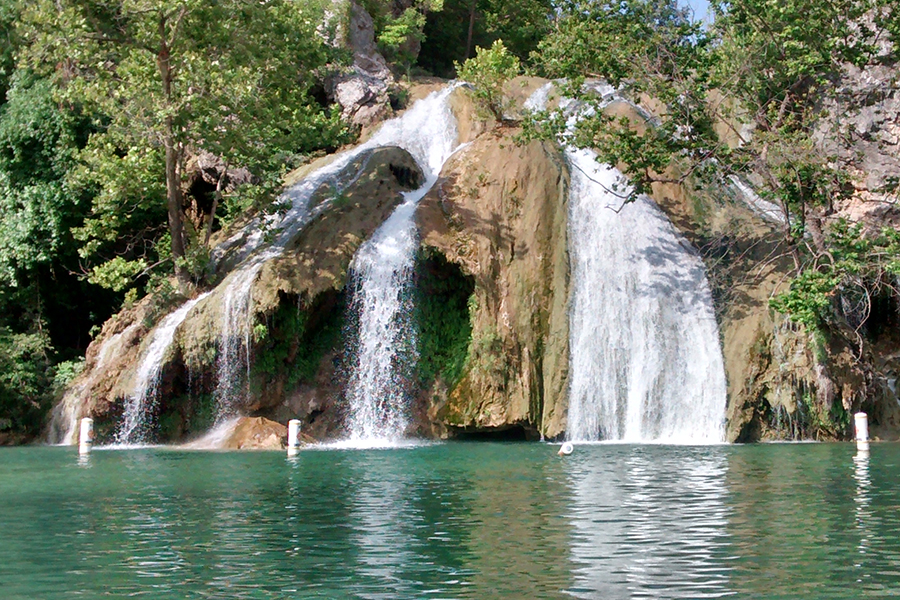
25	378
453	33
487	72
165	79
858	267
294	340
443	319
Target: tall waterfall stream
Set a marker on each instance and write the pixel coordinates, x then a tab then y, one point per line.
645	359
381	274
383	337
646	364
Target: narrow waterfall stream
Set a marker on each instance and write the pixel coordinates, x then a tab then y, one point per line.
233	359
67	414
137	417
427	130
645	359
383	338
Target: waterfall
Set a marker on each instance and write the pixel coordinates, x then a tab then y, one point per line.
645	358
233	359
383	337
137	417
419	131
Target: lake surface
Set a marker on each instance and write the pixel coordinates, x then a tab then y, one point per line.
453	520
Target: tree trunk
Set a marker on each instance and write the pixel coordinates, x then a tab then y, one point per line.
173	201
471	29
173	185
215	205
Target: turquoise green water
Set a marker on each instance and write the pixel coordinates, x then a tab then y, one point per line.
452	521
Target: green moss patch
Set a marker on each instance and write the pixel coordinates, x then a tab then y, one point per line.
442	315
295	339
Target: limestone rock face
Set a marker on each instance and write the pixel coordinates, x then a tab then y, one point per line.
111	361
860	127
362	90
499	213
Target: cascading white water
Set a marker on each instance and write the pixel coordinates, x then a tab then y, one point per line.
233	359
426	130
645	359
66	417
384	338
137	417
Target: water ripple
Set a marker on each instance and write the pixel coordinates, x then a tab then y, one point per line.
453	521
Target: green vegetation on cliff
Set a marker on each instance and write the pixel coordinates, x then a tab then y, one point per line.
443	319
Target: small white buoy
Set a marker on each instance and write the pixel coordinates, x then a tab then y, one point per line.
86	437
862	429
293	437
566	449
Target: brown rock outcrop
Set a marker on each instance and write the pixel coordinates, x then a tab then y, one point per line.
362	89
256	433
500	214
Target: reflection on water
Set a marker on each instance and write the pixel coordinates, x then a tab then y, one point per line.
862	499
381	520
453	521
650	523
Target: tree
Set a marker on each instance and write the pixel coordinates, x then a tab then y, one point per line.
9	15
453	33
168	78
487	72
46	309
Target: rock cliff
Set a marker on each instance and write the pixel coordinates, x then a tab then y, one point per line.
492	301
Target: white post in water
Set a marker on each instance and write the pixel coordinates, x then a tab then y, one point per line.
293	437
86	438
862	429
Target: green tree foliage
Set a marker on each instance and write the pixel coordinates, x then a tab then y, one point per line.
25	379
487	72
859	268
647	48
453	33
399	28
168	78
38	144
9	14
46	308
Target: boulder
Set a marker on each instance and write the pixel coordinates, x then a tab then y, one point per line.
362	89
256	433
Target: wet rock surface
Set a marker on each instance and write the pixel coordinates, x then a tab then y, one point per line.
304	282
